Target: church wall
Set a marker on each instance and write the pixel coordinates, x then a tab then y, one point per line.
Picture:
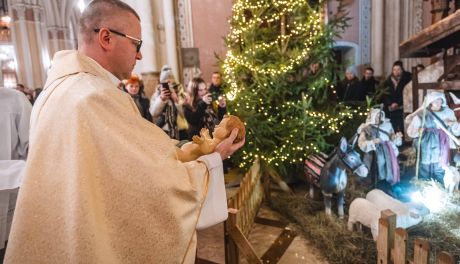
348	45
210	27
351	34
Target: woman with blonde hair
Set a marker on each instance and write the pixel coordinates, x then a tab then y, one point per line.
166	105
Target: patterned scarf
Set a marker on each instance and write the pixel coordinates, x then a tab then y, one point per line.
170	117
210	119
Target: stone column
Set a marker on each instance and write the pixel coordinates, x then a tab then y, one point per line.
42	57
29	42
149	62
18	36
149	67
411	24
64	38
53	45
364	31
186	37
170	36
392	35
377	33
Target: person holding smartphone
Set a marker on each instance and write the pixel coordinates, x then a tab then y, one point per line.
199	110
166	105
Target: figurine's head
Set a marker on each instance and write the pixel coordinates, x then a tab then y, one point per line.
436	105
375	117
436	101
225	127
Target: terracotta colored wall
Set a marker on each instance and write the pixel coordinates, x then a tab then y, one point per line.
426	16
210	26
351	34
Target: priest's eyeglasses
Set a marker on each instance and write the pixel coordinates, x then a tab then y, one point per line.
138	41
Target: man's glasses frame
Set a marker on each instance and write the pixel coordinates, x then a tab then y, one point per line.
139	41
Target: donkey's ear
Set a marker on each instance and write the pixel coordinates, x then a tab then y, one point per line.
353	140
343	144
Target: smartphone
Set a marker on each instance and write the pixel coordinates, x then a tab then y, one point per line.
165	86
215	96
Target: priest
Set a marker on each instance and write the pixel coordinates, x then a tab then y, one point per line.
102	184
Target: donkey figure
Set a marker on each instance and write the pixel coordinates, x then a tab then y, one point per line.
333	177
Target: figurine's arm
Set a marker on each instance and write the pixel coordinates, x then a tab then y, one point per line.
413	130
198	139
452	123
204	135
193	150
396	138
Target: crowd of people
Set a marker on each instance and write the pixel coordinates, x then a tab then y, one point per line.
180	113
106	184
353	91
102	178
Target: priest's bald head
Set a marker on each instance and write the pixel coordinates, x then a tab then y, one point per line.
110	33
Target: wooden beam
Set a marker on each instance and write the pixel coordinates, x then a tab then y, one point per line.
432	39
428	86
446	85
232	255
270	222
450	85
450	62
244	245
279	247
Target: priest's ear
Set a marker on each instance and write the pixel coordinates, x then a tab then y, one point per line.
105	38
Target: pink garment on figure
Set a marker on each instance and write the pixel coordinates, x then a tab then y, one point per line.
394	162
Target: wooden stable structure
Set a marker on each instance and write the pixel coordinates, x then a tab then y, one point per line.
443	37
392	245
242	211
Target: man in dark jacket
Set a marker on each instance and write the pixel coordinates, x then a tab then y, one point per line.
393	97
216	85
368	82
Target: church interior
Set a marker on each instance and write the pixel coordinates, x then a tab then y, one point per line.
348	111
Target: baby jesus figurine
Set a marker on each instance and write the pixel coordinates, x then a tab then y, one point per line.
205	144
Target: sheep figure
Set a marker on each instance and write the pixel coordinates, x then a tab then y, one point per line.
407	214
451	178
365	213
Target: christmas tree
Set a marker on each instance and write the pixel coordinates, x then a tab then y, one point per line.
280	72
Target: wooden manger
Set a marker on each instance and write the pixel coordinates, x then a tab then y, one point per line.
392	245
242	211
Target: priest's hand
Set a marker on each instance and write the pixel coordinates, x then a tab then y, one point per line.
227	147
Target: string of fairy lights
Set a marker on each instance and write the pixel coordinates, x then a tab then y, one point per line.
322	121
312	28
281	154
249	16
